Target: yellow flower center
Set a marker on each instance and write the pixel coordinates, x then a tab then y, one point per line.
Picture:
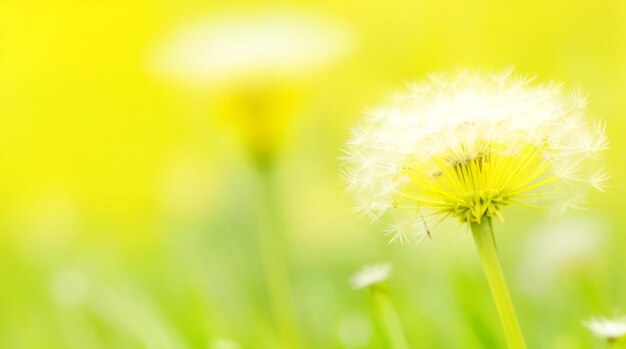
472	185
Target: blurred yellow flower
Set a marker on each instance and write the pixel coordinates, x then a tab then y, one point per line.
252	67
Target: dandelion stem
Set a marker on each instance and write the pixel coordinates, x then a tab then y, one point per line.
485	242
389	319
274	259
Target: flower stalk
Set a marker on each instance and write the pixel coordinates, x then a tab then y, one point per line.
485	243
388	318
272	244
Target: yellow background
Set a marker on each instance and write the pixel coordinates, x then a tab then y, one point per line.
107	170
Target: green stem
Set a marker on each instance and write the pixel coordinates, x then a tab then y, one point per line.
485	242
273	243
389	319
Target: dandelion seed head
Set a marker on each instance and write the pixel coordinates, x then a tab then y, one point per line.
371	275
227	47
609	329
466	145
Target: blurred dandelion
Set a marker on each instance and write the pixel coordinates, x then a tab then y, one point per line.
609	329
465	146
271	44
254	66
373	277
253	69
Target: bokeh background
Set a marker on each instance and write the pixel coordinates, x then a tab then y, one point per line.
129	198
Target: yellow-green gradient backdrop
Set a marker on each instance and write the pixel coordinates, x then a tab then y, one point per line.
126	208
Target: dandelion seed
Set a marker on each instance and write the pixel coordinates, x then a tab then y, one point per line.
580	98
599	179
468	145
609	329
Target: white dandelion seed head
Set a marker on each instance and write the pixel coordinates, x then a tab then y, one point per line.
609	329
371	275
468	144
276	43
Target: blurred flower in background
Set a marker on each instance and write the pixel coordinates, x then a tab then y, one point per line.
243	47
253	67
608	329
252	70
371	275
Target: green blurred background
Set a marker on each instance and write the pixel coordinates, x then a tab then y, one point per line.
129	213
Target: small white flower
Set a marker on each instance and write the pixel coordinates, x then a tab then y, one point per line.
609	329
371	275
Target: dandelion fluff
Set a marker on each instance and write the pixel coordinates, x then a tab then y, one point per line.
469	144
